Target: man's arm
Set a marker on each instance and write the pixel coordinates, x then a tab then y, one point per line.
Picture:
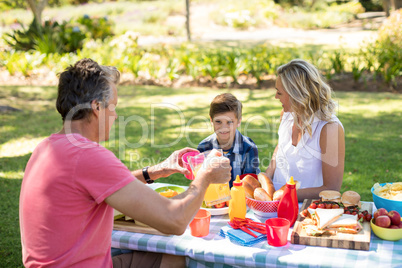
171	165
170	216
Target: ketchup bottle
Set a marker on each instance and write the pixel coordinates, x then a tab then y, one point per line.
237	205
288	207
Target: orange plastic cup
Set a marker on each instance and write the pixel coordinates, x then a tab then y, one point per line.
199	226
277	231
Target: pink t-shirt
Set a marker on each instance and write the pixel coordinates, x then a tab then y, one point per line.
64	220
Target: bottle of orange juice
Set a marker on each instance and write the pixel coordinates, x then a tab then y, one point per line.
237	205
216	193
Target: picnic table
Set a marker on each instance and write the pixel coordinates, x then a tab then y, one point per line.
216	251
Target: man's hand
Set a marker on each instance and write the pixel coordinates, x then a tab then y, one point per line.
216	169
173	164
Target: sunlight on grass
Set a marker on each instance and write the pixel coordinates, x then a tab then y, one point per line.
19	147
12	175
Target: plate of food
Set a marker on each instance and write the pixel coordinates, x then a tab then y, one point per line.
219	209
170	191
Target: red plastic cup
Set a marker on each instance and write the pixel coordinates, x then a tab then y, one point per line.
186	164
199	226
277	231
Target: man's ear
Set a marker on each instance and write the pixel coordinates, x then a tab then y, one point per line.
95	107
211	119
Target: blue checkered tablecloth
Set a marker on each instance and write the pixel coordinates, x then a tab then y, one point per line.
216	251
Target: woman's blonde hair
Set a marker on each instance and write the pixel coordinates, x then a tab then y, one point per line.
309	94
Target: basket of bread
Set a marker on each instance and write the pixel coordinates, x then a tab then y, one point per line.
261	196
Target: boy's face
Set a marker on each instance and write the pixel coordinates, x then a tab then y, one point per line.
225	125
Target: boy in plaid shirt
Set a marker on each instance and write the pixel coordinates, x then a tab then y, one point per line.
226	114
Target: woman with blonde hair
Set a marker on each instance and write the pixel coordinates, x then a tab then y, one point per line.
311	144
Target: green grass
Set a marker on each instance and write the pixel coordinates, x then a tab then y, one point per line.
371	120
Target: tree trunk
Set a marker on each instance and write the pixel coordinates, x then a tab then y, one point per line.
188	20
37	7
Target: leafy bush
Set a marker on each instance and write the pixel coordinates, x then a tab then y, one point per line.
387	48
54	37
51	37
96	28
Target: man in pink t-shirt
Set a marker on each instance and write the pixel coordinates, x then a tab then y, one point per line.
71	183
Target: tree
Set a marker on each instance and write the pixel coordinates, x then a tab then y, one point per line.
188	20
37	7
391	5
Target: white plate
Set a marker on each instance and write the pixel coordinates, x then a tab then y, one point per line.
218	211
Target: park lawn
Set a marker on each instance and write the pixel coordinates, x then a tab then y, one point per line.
154	121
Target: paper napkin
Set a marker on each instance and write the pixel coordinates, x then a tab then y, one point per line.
240	237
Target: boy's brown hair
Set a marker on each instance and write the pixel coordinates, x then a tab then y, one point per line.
223	103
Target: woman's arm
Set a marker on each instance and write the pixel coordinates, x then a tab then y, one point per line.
272	165
332	143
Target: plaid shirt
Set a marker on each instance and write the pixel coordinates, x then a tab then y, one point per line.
243	155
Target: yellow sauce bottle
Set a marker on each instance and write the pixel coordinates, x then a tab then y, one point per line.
237	205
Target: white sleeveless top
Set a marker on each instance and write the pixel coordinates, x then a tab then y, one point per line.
302	161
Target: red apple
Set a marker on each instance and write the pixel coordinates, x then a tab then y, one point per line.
380	212
395	217
400	225
394	227
383	221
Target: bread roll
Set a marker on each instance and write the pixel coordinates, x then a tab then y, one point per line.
249	190
266	184
279	193
249	185
252	181
261	195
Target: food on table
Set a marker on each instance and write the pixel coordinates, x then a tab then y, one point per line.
343	208
249	185
261	195
392	191
395	217
350	199
264	185
330	195
220	205
267	185
169	193
380	212
327	216
385	219
312	230
346	223
279	193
